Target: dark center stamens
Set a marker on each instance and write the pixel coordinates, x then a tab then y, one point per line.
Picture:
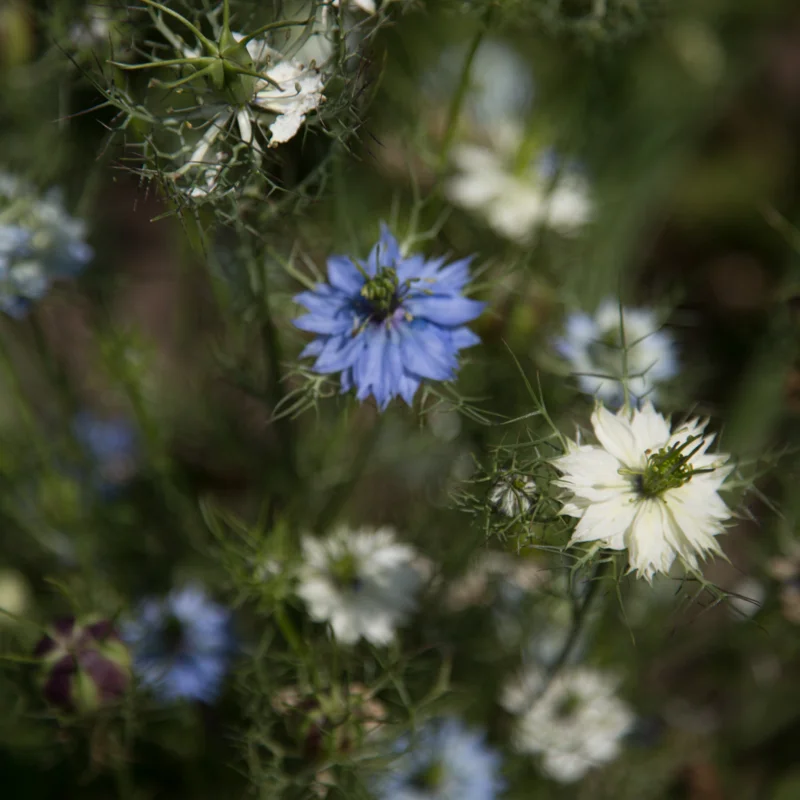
381	292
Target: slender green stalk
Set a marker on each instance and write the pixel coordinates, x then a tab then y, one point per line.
457	103
338	496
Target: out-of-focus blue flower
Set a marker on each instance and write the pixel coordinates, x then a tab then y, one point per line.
39	242
593	346
181	645
112	447
445	761
390	322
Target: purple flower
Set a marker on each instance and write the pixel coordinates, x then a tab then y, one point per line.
390	322
84	665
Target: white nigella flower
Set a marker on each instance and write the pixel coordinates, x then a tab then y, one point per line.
645	489
515	202
575	724
593	345
513	494
364	583
290	90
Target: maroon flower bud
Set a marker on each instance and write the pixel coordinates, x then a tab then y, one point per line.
84	665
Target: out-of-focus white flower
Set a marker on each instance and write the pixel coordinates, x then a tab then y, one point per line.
593	345
515	202
14	595
574	723
646	489
364	583
513	494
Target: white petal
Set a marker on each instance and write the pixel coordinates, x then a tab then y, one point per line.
614	432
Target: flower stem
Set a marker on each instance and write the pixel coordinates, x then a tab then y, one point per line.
580	618
457	103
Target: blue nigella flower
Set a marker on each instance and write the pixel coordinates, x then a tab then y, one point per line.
445	761
390	322
39	242
181	645
112	446
593	346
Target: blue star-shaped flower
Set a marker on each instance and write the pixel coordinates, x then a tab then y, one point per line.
445	761
390	322
181	645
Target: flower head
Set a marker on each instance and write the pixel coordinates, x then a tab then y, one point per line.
84	664
111	445
575	722
364	583
288	91
39	242
646	489
512	494
593	346
181	645
389	322
444	761
513	202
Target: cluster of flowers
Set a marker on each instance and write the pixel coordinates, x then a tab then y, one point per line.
39	242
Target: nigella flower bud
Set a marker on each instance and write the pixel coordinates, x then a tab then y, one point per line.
85	665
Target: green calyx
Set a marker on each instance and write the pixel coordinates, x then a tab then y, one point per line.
567	706
668	468
345	571
381	291
235	74
429	778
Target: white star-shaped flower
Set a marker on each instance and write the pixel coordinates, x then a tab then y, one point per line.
593	346
574	723
364	583
647	490
290	90
515	202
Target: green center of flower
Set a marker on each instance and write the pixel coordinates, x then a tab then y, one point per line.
567	705
429	778
173	634
381	292
519	483
345	572
668	468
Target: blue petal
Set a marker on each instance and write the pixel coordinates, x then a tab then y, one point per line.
390	249
315	323
463	338
344	275
313	348
371	368
425	354
339	352
449	311
323	300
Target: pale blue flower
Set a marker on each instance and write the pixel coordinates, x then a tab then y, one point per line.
112	446
390	322
593	346
181	645
39	242
444	761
